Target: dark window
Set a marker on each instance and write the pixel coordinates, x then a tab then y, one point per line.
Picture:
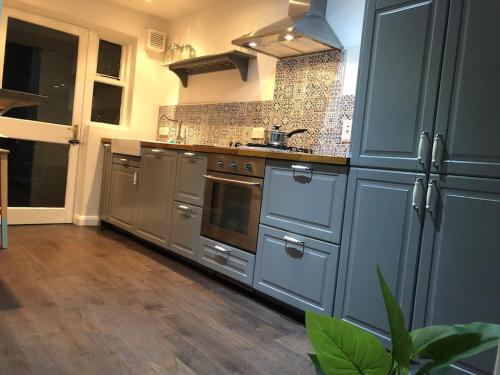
41	61
109	59
106	103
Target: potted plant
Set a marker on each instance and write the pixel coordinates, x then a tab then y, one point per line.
343	349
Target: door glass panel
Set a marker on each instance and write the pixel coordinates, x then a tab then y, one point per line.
230	208
41	61
37	173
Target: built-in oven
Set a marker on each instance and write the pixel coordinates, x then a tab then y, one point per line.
233	195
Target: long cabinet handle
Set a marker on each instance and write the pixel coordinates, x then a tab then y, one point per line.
301	168
423	147
418	192
437	150
221	249
231	181
190	154
429	202
157	150
294	240
136	179
184	208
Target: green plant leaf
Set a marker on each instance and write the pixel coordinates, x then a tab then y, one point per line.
343	349
401	340
445	345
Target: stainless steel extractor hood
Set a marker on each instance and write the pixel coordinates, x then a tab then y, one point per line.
305	30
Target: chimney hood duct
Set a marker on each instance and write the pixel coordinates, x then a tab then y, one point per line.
305	30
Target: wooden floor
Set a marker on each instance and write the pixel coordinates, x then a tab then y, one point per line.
89	301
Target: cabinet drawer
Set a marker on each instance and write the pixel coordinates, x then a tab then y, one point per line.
185	230
227	260
300	274
305	198
127	160
190	184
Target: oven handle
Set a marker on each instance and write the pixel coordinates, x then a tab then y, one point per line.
238	182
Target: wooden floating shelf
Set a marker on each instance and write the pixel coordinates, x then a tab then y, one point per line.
212	63
14	99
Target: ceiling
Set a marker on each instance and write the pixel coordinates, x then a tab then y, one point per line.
166	9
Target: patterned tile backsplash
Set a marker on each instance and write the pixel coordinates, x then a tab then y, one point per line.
307	94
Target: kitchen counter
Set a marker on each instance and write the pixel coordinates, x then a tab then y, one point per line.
293	156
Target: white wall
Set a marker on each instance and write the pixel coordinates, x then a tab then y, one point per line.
150	84
211	31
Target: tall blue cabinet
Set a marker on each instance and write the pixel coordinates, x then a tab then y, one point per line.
423	197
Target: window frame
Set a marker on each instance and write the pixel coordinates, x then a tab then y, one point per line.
124	80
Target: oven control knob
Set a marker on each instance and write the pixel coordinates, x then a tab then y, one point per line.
233	165
248	166
220	164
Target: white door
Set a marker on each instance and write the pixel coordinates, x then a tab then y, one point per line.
46	57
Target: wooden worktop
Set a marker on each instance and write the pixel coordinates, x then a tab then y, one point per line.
293	156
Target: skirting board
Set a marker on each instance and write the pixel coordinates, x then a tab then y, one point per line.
86	221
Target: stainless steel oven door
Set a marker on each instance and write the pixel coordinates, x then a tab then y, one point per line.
232	209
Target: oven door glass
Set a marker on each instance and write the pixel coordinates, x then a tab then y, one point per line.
232	209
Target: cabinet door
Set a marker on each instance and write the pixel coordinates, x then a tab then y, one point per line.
468	114
105	182
123	196
458	278
186	227
381	228
398	83
307	199
156	187
190	184
297	270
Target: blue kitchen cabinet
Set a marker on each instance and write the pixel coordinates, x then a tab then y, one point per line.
383	226
304	198
237	264
458	278
467	130
297	270
398	82
189	182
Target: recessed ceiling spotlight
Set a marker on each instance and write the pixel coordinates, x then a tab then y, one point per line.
289	37
252	44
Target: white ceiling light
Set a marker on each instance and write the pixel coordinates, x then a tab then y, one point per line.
289	37
252	44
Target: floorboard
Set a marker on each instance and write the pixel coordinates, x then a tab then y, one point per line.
79	300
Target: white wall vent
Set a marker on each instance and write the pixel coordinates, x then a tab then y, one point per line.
157	40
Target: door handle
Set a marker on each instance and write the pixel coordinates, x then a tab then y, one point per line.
231	181
136	179
418	193
430	201
301	168
437	151
190	154
423	148
157	150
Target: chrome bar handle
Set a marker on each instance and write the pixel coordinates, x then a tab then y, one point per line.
190	154
429	202
293	240
136	179
237	182
423	148
107	145
157	150
437	151
124	160
301	168
417	194
221	249
184	208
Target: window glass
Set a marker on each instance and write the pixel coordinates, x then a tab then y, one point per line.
106	103
41	61
109	59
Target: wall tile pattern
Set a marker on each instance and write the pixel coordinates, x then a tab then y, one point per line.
308	94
